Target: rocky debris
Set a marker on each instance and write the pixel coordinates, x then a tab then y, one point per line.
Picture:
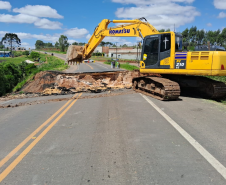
19	96
109	94
51	91
47	83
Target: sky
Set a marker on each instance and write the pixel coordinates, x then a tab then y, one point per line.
47	20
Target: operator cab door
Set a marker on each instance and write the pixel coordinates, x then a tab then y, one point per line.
156	48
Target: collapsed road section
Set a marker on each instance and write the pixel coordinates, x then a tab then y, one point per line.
52	82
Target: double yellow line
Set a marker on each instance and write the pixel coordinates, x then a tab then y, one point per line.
89	66
4	174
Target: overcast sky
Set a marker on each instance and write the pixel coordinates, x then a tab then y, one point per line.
47	19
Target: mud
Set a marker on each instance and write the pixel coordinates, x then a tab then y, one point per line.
47	83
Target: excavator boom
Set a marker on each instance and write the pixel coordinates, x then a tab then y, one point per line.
127	28
161	54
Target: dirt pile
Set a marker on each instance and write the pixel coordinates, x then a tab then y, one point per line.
61	83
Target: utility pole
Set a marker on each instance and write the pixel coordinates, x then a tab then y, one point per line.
137	50
116	49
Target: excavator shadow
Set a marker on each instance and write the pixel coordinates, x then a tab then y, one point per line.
191	93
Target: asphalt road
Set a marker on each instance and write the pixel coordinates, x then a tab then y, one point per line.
126	138
86	67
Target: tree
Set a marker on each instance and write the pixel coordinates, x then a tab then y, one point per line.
26	53
57	45
1	46
48	45
63	42
102	43
124	46
39	44
162	30
12	39
81	43
200	36
74	43
185	35
222	37
35	55
192	33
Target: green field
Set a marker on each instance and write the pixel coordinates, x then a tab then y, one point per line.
15	60
52	51
99	58
125	66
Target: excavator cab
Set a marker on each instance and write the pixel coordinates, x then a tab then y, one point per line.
159	48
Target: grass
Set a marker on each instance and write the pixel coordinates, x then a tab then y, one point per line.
218	78
99	58
53	63
15	60
52	51
125	66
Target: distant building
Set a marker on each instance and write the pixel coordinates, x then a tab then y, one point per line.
20	49
16	48
98	49
5	53
122	52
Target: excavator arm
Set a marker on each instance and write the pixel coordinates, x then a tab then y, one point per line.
127	28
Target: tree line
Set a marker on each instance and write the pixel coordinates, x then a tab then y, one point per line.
193	36
62	44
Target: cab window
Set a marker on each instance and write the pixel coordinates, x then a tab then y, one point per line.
178	44
165	42
151	49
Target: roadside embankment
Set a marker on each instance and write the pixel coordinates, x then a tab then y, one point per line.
15	73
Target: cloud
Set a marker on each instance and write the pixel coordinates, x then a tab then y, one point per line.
76	32
21	18
39	11
44	37
88	36
209	24
29	19
47	24
119	40
162	14
221	15
220	4
25	44
70	41
148	2
5	5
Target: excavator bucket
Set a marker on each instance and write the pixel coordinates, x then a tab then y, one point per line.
74	54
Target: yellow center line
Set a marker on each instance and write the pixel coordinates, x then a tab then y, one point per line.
15	150
89	66
4	174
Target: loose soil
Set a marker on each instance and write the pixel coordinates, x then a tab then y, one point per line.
51	82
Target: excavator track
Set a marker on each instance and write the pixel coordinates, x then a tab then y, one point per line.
157	87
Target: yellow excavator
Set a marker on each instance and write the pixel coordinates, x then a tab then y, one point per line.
164	68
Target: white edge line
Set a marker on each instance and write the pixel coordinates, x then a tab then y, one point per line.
211	159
